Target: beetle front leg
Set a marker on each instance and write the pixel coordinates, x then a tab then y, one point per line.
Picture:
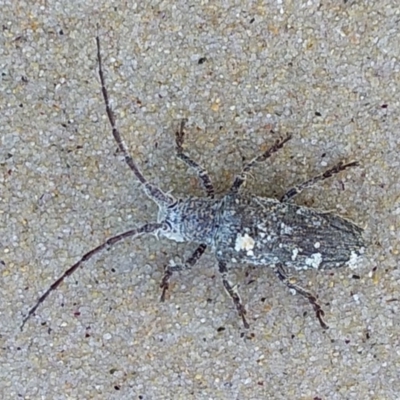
170	268
201	172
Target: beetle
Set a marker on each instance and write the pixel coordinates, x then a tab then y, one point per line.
238	228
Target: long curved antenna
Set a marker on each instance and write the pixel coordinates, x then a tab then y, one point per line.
152	191
148	228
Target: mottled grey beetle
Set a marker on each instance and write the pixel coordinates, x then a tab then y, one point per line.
239	228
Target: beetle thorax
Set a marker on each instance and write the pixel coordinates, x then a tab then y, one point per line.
190	220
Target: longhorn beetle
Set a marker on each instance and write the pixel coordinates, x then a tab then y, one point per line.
238	228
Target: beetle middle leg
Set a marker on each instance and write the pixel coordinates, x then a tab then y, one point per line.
241	178
285	278
233	293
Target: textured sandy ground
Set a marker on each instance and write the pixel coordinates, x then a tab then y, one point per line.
327	71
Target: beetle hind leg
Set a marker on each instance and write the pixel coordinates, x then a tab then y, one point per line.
294	191
285	278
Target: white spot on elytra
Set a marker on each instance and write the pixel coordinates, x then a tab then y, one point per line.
285	229
317	245
294	254
244	242
314	260
262	227
354	260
